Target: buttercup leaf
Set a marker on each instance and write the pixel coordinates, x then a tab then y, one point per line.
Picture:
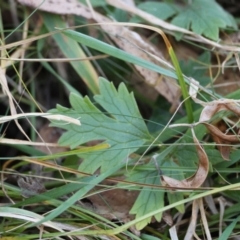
204	17
122	126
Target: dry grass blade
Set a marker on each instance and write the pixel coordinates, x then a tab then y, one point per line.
15	56
3	82
193	222
173	233
27	216
55	117
214	107
204	219
223	203
22	142
11	59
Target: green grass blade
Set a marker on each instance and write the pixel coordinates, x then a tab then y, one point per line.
98	147
116	52
227	232
182	83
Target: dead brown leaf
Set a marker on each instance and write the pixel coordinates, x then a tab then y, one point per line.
224	149
50	135
113	202
220	134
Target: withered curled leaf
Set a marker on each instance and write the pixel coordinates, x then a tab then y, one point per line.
114	203
219	136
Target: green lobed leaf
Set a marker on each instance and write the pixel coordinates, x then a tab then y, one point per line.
122	127
204	17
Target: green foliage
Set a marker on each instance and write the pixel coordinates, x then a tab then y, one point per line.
204	17
113	118
122	126
129	58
